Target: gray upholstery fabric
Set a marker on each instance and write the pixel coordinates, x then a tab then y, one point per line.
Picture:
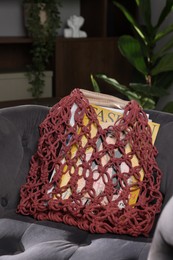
164	144
22	237
18	140
162	244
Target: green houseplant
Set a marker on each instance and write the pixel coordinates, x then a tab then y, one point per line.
42	19
152	61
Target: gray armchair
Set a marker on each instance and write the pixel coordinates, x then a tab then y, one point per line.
24	238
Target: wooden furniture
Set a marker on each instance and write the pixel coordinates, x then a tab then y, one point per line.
14	53
104	19
76	59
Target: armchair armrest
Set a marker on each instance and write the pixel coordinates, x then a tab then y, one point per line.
162	244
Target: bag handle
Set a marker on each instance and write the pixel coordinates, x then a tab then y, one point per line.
106	100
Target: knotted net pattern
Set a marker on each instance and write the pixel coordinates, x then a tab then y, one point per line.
85	180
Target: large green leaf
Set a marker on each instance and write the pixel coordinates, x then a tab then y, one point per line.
162	51
148	103
146	90
166	10
163	80
131	49
119	87
131	19
163	33
95	84
138	2
145	9
145	101
165	64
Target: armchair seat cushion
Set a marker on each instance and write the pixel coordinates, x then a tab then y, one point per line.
28	240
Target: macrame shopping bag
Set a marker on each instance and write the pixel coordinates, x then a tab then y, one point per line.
83	174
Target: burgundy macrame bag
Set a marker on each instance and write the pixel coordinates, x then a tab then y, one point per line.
68	181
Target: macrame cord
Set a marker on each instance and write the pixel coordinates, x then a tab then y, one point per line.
83	179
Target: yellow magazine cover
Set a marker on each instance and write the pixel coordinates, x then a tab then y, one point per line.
106	117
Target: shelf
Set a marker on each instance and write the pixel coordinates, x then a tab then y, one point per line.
76	59
14	40
14	53
41	101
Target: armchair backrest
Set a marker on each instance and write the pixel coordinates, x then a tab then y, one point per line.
19	134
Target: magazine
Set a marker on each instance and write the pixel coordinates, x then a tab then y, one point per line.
106	118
